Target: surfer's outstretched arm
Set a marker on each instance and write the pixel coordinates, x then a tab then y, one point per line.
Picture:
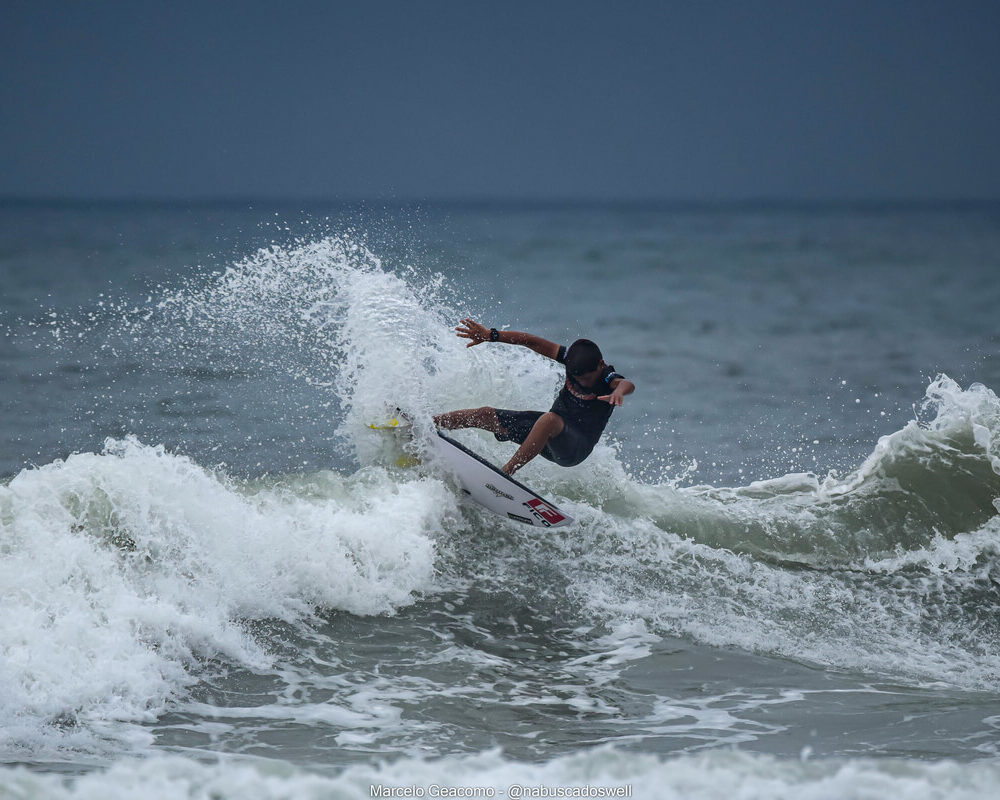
477	334
619	389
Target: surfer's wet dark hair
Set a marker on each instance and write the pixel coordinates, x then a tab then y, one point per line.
582	356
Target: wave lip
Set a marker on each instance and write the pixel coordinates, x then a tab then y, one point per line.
936	478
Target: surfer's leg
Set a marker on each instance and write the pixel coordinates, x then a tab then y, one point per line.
548	425
485	418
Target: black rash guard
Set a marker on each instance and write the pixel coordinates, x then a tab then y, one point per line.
584	418
578	405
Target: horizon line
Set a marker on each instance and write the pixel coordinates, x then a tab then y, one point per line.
765	201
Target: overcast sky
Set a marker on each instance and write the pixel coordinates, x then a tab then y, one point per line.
421	100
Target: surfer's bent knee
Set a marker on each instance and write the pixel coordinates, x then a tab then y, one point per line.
552	422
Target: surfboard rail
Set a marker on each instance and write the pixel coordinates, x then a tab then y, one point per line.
497	491
483	482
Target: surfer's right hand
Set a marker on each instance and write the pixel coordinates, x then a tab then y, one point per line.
470	329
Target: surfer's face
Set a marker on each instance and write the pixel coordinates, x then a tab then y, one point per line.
588	379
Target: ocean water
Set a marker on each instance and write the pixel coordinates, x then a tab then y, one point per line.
215	581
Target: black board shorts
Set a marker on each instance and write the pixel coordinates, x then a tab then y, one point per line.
567	449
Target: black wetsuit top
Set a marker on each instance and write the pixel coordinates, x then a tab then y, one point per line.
583	415
578	405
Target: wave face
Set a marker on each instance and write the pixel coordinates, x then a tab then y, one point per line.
887	570
244	562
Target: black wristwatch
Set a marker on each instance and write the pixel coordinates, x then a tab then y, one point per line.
494	335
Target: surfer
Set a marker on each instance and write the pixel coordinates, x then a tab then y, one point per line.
565	434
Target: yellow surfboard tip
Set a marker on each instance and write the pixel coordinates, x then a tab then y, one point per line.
387	426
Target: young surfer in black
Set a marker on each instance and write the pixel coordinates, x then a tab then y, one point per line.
567	433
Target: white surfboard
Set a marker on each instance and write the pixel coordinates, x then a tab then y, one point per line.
496	490
483	482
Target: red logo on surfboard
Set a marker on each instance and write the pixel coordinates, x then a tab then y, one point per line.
544	512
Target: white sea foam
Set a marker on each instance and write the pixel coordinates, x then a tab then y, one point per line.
715	775
330	314
120	571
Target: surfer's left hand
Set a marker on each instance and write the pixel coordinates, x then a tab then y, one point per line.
614	398
470	329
